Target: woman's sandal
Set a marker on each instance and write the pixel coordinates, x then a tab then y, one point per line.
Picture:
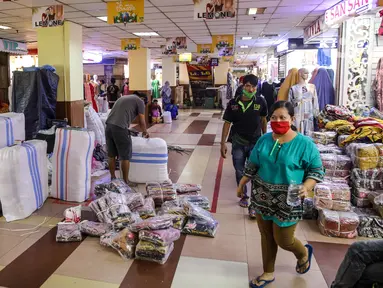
252	214
310	250
267	282
244	202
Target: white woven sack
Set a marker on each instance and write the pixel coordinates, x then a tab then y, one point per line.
12	128
72	164
149	161
24	179
94	124
167	117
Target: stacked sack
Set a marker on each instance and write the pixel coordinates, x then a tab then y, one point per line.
12	128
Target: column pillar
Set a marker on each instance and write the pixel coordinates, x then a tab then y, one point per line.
61	47
139	74
220	73
169	73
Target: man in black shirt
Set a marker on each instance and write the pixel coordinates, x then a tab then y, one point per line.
112	93
246	115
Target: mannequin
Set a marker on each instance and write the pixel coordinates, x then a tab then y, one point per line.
304	98
95	85
268	91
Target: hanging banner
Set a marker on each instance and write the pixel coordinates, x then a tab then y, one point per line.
13	47
131	11
200	77
174	44
204	48
214	9
224	44
130	44
50	16
315	29
229	59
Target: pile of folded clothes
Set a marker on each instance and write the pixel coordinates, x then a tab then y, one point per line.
200	222
338	166
329	149
332	196
198	200
338	224
366	156
161	192
370	223
324	138
188	189
333	113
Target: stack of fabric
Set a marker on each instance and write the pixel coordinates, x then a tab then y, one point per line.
336	166
332	196
338	224
200	221
325	138
161	192
333	113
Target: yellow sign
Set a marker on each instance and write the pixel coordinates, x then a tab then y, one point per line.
204	48
224	44
131	11
228	59
130	44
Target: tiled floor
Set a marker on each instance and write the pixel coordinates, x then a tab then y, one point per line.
229	260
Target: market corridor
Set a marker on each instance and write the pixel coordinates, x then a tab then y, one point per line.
34	259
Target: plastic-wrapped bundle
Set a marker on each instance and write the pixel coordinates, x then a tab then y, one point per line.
333	196
178	220
134	200
106	239
101	190
329	149
338	224
109	207
68	232
162	237
125	243
324	138
378	204
94	228
361	202
192	210
154	223
361	192
336	165
149	252
119	186
340	140
148	210
370	223
188	188
161	192
200	201
123	220
173	207
201	227
371	179
308	208
366	156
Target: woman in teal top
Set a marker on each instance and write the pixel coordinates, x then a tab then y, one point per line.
281	158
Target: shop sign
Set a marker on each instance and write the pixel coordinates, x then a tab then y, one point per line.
49	16
204	48
13	47
211	9
224	44
90	57
131	11
174	44
348	8
284	46
315	29
130	44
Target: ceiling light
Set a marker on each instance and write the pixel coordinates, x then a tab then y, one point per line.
247	38
4	27
103	18
252	11
244	46
145	34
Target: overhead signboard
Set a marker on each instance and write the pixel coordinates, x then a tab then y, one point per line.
204	48
174	44
131	11
13	47
130	44
210	10
348	8
315	29
49	16
224	44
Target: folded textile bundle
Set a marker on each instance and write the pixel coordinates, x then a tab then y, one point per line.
333	125
336	165
366	156
119	186
178	220
173	207
341	139
308	209
187	188
329	149
361	202
106	239
123	220
147	210
109	207
162	237
200	221
338	224
125	243
324	138
68	232
199	201
134	200
161	192
150	252
154	223
371	179
101	189
332	196
94	228
370	223
378	204
365	133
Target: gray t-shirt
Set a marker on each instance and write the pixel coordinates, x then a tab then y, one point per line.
125	110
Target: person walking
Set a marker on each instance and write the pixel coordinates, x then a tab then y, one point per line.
279	159
118	139
112	93
155	88
246	116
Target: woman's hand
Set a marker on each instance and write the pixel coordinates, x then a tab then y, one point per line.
303	192
240	191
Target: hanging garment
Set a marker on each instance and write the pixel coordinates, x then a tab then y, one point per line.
229	91
325	89
324	57
378	85
268	91
291	80
331	74
93	100
306	107
156	89
87	92
314	74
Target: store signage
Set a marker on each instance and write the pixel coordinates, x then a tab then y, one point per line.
174	44
91	57
208	9
348	8
224	44
204	48
284	46
316	28
131	11
214	62
49	16
130	44
13	47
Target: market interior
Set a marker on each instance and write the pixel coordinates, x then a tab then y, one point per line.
65	64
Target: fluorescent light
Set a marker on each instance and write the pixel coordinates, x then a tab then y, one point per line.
145	34
252	11
247	38
103	18
4	27
244	46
